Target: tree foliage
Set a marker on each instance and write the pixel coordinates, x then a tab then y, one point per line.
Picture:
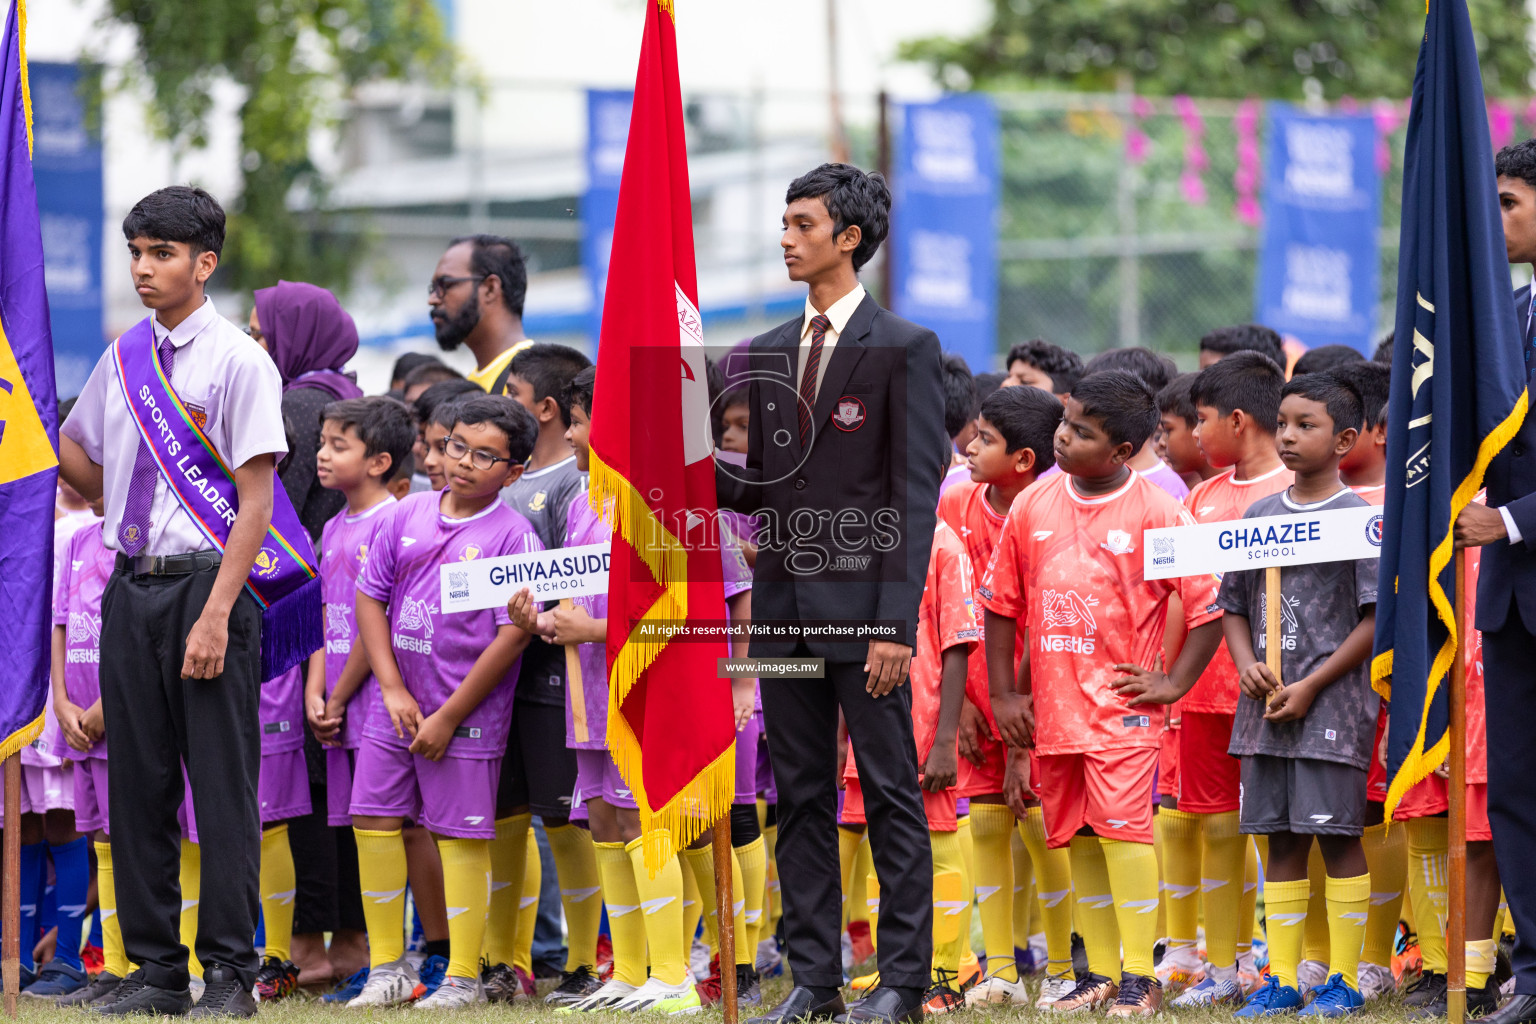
1279	49
294	61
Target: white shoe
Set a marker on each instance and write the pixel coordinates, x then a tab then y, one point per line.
1219	987
453	994
1376	981
1311	974
1181	967
1248	975
698	959
769	960
613	991
1054	987
993	991
389	985
657	997
1039	951
195	985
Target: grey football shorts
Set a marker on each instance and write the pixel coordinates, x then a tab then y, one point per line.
1302	795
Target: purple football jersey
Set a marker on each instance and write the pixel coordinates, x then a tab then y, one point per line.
84	567
435	651
344	545
281	711
48	748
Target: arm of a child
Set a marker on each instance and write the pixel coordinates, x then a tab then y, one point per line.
63	708
322	725
1145	686
353	674
373	627
436	730
743	688
1294	700
1255	678
940	770
1012	704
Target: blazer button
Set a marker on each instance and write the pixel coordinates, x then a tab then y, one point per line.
800	483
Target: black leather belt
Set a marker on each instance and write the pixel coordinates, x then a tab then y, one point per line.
169	565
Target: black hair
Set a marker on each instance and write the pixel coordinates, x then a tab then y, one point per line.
1062	365
1244	380
505	414
443	391
1335	393
431	373
1374	383
549	368
852	197
498	257
1026	418
579	391
408	362
1383	353
180	213
1175	400
1122	403
1326	357
407	465
986	383
398	394
66	407
445	414
1517	160
1154	370
382	424
1224	341
959	393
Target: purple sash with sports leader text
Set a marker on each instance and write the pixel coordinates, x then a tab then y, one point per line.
283	579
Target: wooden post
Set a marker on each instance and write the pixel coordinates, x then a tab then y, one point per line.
1272	618
1456	826
10	904
883	157
725	910
575	685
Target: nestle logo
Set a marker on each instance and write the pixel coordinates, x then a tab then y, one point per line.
1162	551
458	580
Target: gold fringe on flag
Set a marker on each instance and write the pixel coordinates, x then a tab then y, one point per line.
22	737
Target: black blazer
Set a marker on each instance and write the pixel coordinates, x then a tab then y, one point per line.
848	519
1507	575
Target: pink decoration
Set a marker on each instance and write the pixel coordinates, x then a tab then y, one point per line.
1195	158
1246	178
1192	187
1501	124
1142	107
1137	146
1385	113
1530	113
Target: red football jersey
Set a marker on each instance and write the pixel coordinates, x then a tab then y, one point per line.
1221	498
1071	567
946	617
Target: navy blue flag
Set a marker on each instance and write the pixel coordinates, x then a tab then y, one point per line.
1458	386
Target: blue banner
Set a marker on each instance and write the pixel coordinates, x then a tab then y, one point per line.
67	157
1318	261
607	137
944	235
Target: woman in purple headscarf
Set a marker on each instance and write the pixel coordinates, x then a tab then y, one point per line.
310	338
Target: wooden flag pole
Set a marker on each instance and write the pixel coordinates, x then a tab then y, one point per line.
1272	618
725	910
10	904
1456	826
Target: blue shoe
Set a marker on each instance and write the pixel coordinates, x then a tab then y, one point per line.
347	990
1272	1000
55	980
432	971
1335	999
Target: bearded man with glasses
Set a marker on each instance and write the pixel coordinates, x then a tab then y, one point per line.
476	296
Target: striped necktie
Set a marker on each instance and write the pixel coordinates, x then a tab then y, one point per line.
819	325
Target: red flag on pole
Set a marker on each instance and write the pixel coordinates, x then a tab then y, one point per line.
670	726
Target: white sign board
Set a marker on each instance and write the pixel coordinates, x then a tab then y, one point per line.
1336	535
549	575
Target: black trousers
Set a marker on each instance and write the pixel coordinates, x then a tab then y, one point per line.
801	715
157	720
1509	693
329	897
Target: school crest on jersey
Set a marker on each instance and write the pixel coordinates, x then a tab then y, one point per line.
1118	542
536	503
470	553
849	414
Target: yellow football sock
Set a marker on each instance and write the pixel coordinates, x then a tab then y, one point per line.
847	853
693	912
1409	918
872	907
701	865
1285	913
858	898
1158	838
968	861
773	899
579	892
991	831
949	901
1482	956
1180	832
1247	920
1349	905
1024	900
1508	927
1428	868
278	887
1316	937
1500	918
1223	862
1097	921
626	925
661	902
114	956
1386	857
1055	871
528	904
754	868
467	888
1132	870
509	856
381	871
191	877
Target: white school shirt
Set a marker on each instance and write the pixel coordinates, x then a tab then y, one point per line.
838	313
220	372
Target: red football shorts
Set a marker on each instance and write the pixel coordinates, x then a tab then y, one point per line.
938	807
986	778
1168	764
1376	771
1209	777
1109	791
1431	797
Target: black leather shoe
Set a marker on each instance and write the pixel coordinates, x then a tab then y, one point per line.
884	1005
801	1004
1481	1002
225	996
135	995
1518	1009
